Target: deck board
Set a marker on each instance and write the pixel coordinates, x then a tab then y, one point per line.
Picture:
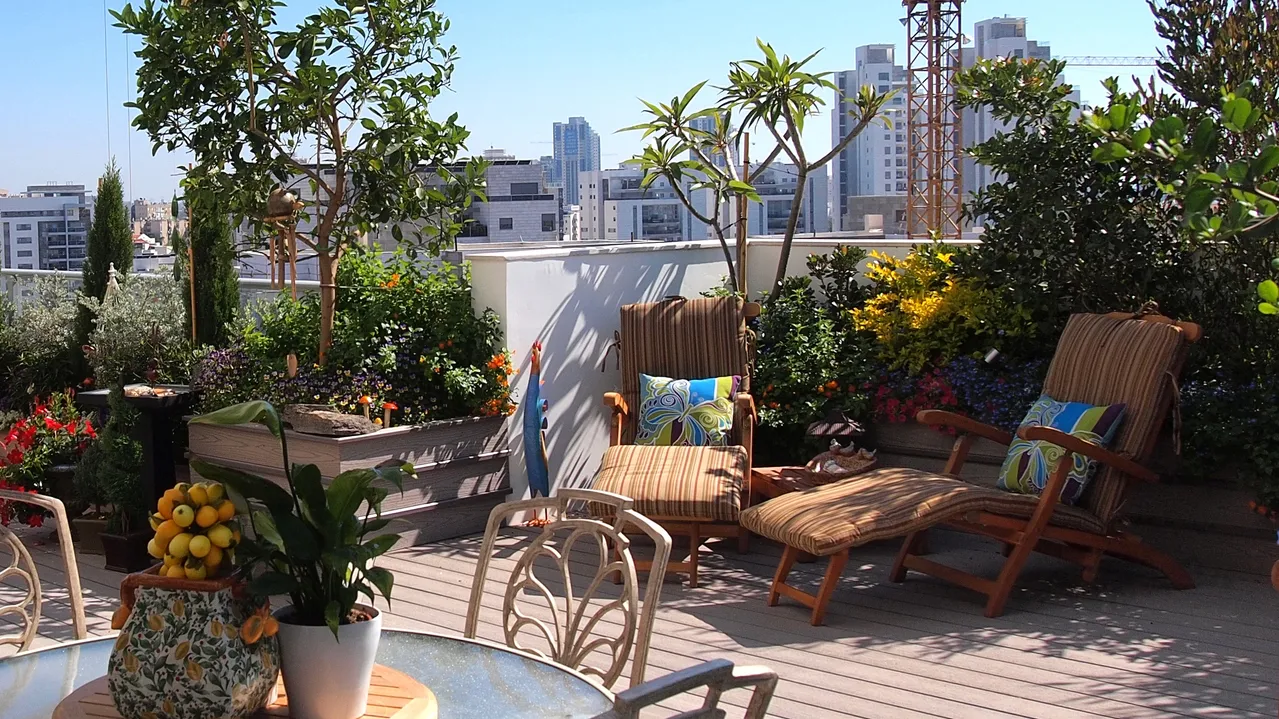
1127	647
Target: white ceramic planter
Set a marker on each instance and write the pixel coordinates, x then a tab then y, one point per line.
323	678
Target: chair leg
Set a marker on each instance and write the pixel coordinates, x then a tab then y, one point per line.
833	572
743	541
789	555
1008	576
1092	563
915	543
694	547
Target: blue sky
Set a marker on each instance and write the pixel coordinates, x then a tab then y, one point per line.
523	66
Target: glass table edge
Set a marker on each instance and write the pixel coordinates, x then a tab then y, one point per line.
470	640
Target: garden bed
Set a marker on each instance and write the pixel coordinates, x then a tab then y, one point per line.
461	466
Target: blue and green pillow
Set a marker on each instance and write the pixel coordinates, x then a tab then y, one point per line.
1029	463
686	412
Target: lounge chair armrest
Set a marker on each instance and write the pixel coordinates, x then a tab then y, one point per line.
1087	449
614	401
967	425
745	405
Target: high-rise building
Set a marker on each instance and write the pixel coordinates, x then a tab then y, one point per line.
707	124
874	163
577	149
994	38
45	228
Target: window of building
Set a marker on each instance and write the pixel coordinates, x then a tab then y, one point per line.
888	150
887	136
888	188
901	137
24	266
898	100
1019	54
24	240
888	162
548	222
900	150
524	188
901	162
883	88
505	223
25	226
24	253
888	175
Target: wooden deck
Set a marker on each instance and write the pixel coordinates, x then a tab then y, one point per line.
1128	646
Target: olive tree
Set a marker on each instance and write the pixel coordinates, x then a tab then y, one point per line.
773	95
338	103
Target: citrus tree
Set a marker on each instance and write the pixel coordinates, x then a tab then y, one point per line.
338	103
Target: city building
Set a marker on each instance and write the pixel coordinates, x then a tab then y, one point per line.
994	38
576	150
46	227
874	163
155	219
616	207
520	206
707	124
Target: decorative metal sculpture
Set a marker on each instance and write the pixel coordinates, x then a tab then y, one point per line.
535	462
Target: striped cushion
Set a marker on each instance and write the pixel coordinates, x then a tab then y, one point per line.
1103	360
683	338
685	483
888	503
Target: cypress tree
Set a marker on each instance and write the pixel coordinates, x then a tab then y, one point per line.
110	241
217	285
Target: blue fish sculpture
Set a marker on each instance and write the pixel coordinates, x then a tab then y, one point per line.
534	407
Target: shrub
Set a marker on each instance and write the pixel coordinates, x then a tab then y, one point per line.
53	433
998	394
923	315
39	342
138	329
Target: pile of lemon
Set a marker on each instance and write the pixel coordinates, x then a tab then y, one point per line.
194	528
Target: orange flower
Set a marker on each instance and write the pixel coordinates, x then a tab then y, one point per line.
393	282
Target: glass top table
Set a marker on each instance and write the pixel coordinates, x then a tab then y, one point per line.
470	679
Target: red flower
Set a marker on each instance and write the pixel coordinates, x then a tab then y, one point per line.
52	424
89	430
35	520
14	456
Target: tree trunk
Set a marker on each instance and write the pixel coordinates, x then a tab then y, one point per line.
328	302
801	180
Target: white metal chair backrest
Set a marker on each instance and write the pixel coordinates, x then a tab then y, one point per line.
717	675
577	632
23	568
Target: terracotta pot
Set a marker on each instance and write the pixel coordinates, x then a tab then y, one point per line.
326	678
180	654
88	533
127	552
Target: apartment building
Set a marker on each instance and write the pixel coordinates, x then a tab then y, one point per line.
46	227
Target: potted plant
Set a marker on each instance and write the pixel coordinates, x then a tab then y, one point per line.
316	544
38	452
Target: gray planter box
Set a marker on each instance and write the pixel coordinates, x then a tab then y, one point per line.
461	466
910	444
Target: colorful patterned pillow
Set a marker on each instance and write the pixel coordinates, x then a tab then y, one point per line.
686	412
1029	464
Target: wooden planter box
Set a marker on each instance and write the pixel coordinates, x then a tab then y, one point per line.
461	466
910	444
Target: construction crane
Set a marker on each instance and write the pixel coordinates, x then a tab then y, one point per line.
934	195
1108	61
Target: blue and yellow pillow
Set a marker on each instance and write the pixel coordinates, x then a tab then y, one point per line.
686	412
1029	464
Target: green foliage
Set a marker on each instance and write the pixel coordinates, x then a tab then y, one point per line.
38	353
311	542
217	284
138	332
108	475
350	86
774	95
109	242
922	315
1065	233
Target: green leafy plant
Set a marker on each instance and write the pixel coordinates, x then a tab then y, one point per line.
37	346
217	284
312	542
108	475
773	95
138	332
338	104
109	244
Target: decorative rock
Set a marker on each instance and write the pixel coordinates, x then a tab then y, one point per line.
325	420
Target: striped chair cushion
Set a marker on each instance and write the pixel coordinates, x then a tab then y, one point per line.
683	339
888	503
680	483
1104	360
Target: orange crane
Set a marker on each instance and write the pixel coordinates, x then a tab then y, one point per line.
934	41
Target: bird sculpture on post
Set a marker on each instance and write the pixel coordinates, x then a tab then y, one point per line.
535	462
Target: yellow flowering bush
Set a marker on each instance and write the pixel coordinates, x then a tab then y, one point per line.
922	314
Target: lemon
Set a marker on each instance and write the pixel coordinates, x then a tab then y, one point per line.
199	495
155	520
170	560
199	546
226	511
154	549
207	516
180	546
220	535
216	492
119	617
175	571
195	572
167	530
184	515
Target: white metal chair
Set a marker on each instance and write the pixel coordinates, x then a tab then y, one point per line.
717	675
22	567
579	622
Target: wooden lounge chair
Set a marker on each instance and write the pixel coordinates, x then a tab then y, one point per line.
1100	360
697	492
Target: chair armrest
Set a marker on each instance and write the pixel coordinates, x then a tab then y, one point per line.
614	401
1089	450
744	404
718	675
967	425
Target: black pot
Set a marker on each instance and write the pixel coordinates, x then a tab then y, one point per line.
60	479
127	552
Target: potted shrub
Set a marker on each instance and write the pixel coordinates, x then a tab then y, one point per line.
38	452
313	544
